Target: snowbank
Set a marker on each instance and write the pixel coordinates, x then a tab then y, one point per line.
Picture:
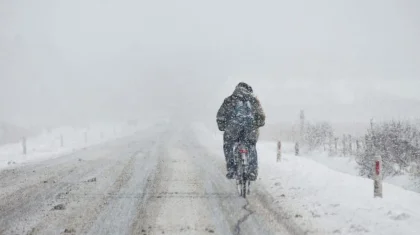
332	202
337	202
348	165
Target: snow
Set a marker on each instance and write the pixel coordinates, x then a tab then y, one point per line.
327	201
348	165
47	145
342	164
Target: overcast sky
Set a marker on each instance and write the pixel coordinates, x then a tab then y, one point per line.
84	60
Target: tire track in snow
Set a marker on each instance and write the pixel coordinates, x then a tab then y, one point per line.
139	225
94	210
176	201
120	214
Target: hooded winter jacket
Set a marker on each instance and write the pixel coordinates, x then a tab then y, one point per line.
225	115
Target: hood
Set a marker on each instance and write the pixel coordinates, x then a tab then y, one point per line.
242	93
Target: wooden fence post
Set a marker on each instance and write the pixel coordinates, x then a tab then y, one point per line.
278	151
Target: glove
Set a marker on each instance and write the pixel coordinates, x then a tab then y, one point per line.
221	125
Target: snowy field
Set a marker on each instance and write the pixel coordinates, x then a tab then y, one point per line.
325	200
47	145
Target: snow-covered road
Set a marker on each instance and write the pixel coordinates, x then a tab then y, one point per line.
159	181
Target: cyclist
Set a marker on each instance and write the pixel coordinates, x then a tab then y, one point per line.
241	113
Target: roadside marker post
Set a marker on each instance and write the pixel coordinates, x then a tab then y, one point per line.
377	183
279	151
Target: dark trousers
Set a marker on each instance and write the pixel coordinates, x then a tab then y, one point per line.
231	137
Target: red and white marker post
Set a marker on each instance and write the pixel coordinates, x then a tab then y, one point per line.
278	151
377	177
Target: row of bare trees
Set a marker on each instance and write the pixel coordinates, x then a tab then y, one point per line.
397	142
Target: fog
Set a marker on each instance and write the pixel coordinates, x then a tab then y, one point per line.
80	61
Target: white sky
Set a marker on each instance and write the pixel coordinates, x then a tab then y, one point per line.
70	61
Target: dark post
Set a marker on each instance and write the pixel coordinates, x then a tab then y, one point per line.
278	151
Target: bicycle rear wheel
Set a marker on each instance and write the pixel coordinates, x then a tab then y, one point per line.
239	185
239	173
244	183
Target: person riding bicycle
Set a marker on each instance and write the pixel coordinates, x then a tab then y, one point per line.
241	114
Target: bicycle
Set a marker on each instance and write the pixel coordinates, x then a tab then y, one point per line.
242	167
